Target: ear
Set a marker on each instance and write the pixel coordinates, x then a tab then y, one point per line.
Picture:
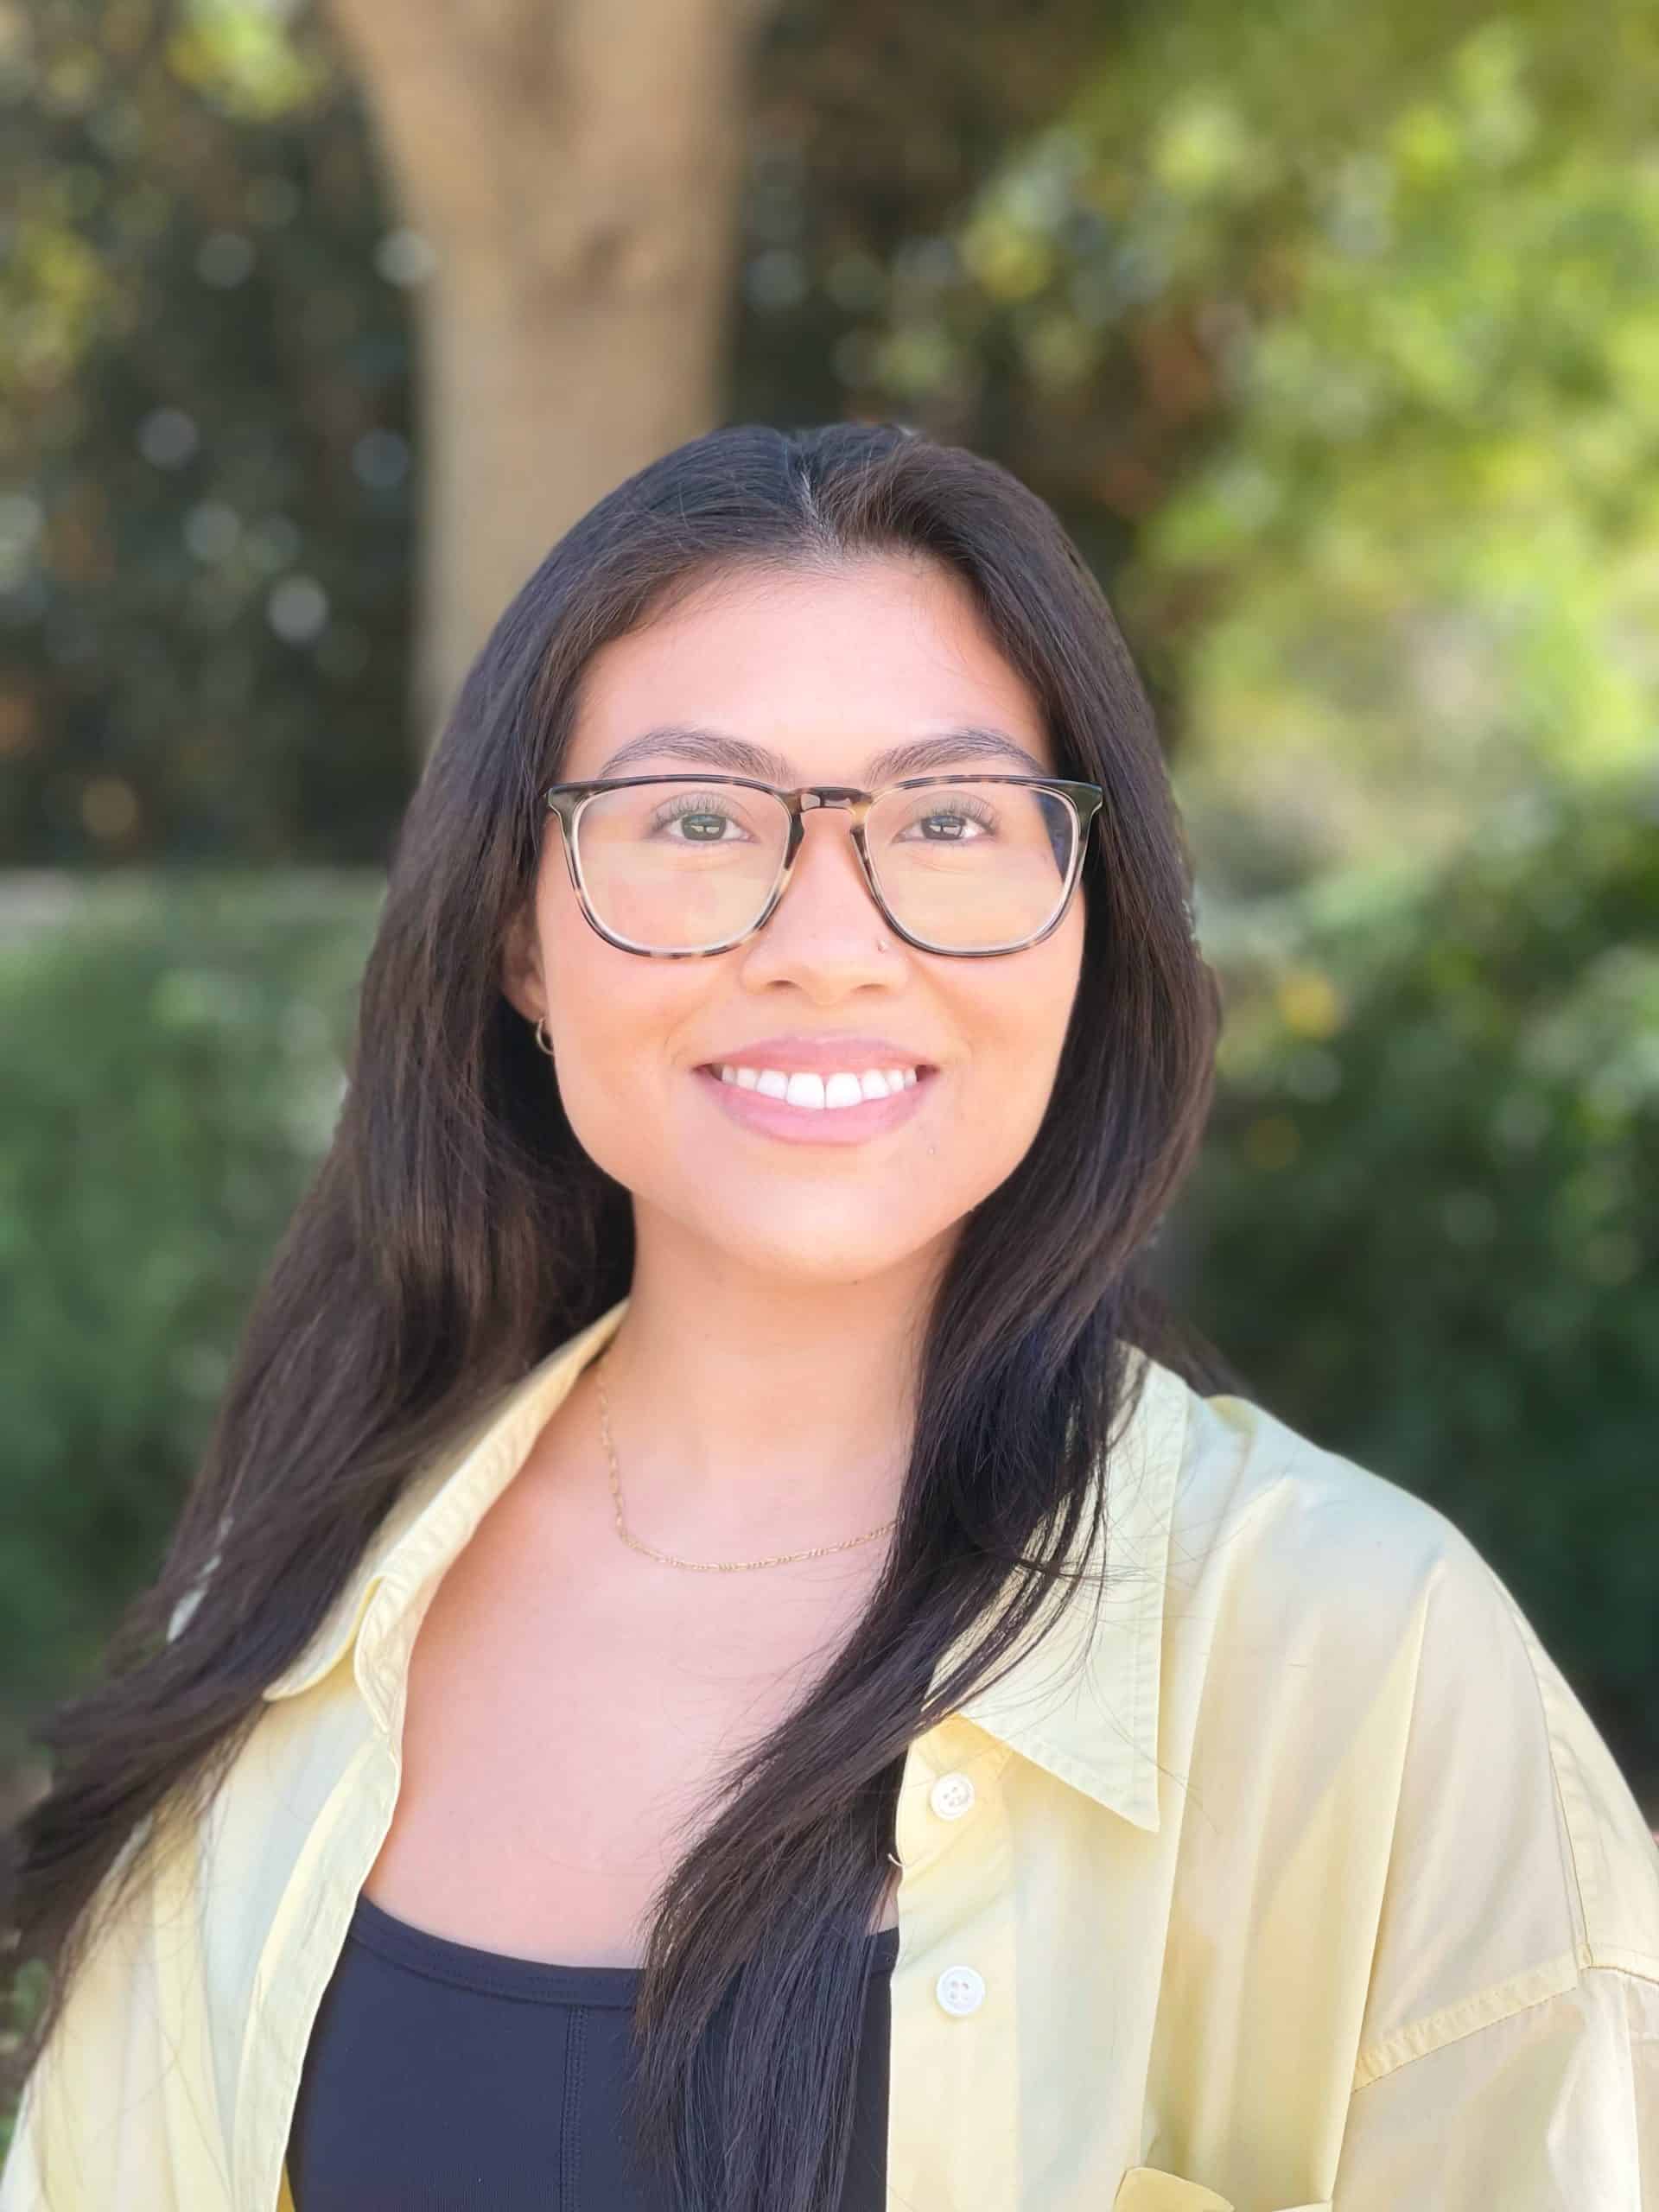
522	981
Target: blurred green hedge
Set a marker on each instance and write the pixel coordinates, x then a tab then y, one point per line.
1422	1224
174	1066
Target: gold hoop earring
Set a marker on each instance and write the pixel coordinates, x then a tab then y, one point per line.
545	1043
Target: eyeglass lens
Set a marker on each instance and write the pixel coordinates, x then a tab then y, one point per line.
677	865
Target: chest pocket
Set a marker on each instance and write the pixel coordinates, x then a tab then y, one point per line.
1144	2188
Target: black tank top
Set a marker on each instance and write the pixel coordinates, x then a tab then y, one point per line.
440	2078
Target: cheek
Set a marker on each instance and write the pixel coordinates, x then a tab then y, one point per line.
1011	1090
609	1031
614	1020
1020	1017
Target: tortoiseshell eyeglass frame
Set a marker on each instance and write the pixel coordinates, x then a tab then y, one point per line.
566	800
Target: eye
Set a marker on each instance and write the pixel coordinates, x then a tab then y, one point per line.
955	815
705	807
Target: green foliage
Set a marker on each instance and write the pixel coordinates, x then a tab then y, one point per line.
1351	315
207	385
205	400
1330	332
1424	1217
1428	541
174	1068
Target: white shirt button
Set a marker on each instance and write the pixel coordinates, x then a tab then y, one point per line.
951	1796
960	1990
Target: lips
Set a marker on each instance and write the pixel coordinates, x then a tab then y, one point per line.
797	1052
819	1125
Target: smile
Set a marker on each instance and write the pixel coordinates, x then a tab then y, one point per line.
818	1110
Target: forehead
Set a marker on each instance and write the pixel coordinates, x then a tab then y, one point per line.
833	677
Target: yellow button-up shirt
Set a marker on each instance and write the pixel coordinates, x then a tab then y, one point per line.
1304	1883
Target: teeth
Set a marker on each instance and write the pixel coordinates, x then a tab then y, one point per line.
820	1091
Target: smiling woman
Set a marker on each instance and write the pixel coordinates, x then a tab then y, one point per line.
805	922
784	1037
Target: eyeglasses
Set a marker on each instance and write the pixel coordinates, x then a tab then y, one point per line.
675	867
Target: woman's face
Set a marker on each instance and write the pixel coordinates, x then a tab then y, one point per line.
825	672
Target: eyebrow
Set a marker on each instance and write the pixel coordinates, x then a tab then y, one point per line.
714	748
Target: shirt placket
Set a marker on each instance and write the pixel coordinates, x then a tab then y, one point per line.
953	2140
300	1955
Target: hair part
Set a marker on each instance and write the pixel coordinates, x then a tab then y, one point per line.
456	1233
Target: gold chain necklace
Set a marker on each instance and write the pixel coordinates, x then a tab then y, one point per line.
705	1566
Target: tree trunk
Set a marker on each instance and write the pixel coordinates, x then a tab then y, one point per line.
575	167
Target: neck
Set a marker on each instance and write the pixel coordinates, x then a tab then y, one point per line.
749	1420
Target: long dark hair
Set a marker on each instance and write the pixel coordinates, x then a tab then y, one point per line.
455	1233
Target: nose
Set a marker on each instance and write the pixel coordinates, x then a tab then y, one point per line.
807	867
850	861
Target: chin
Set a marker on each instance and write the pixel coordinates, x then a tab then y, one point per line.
829	1252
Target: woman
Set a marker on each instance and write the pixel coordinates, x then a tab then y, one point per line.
724	1652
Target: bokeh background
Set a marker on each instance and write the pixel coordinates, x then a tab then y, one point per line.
1331	332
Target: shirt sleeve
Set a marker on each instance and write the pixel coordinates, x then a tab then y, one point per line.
1511	2054
111	2113
21	2187
92	2109
1552	2108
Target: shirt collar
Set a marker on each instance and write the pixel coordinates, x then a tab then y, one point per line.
1083	1704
